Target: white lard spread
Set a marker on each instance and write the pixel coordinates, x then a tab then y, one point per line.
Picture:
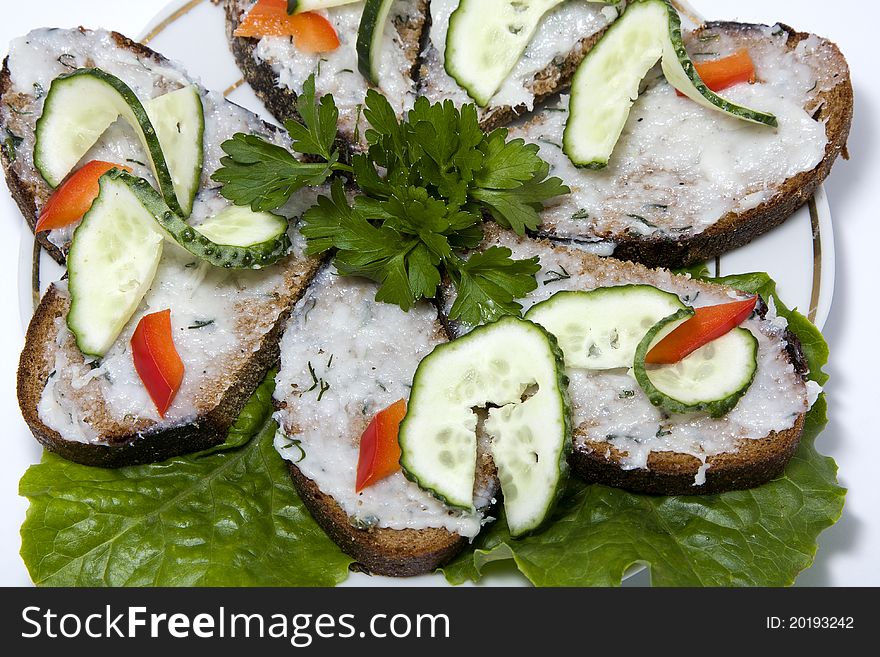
344	357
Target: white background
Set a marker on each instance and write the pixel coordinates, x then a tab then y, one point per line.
849	553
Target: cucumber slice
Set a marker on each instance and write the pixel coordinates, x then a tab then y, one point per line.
498	364
179	119
711	379
79	107
485	40
299	6
369	41
240	226
111	265
600	329
231	256
606	83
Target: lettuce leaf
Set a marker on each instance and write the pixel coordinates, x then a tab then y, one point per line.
764	536
228	516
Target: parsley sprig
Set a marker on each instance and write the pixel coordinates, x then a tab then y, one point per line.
424	186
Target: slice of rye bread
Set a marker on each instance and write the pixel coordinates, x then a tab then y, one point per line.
281	100
385	551
832	106
751	461
218	398
338	328
378	551
31	193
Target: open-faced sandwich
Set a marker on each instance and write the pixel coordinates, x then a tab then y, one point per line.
164	326
424	252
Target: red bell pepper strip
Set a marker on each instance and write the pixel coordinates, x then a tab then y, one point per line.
310	31
74	196
156	359
380	452
718	74
707	324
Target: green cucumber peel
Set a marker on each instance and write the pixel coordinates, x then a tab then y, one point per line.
677	63
299	6
254	256
369	39
598	110
715	408
122	100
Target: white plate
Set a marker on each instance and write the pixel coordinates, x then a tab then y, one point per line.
799	255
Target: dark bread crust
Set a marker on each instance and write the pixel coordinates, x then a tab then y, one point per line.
25	194
754	463
126	446
738	229
394	552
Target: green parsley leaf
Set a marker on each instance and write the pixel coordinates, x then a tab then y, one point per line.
507	164
263	175
316	135
488	282
399	261
518	208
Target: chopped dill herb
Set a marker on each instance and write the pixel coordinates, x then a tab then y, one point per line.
308	306
67	60
317	383
639	217
556	276
201	323
324	388
551	143
295	442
